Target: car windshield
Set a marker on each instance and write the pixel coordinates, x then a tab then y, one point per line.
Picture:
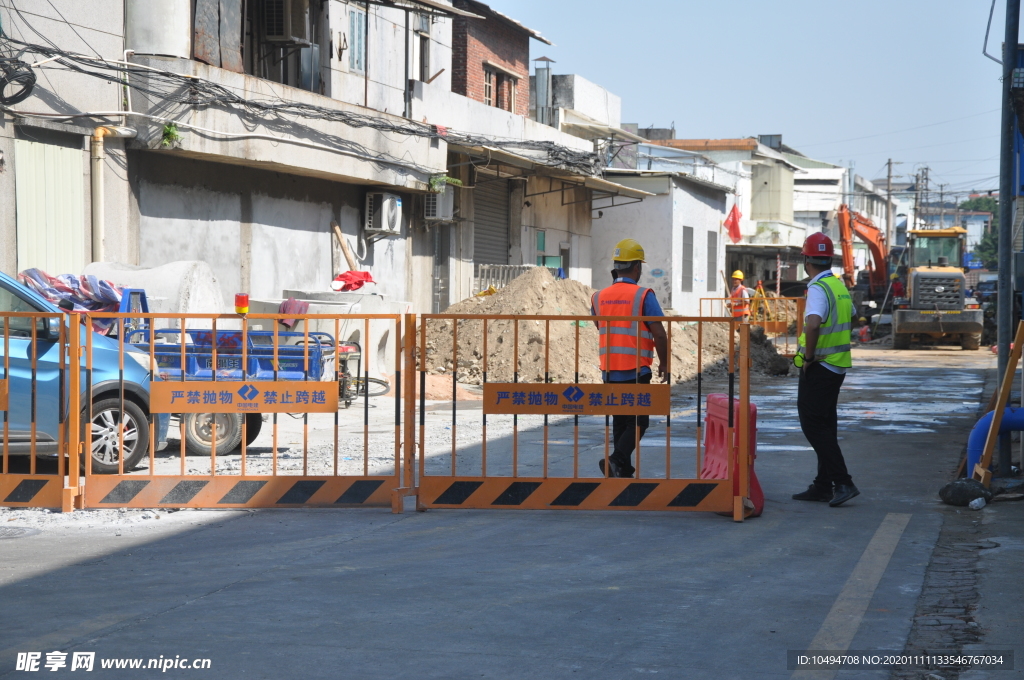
987	285
928	249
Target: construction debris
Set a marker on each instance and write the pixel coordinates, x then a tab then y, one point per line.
539	293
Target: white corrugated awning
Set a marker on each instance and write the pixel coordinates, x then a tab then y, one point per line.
432	4
606	187
607	131
536	168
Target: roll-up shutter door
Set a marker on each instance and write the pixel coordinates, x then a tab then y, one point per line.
490	235
49	191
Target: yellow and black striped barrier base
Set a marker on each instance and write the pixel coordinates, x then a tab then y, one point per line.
31	491
708	495
129	491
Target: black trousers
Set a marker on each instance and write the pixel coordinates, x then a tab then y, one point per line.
817	401
624	429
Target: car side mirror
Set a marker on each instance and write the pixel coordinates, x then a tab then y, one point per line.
49	328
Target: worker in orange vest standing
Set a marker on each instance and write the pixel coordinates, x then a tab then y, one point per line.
618	348
740	303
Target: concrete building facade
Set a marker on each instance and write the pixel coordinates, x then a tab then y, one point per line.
283	130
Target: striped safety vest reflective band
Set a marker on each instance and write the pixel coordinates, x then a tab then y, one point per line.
618	347
740	304
834	333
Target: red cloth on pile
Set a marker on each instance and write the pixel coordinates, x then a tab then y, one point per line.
354	280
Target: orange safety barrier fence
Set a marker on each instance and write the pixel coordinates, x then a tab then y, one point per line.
33	401
500	463
221	376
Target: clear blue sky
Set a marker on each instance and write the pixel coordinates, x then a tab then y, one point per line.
896	78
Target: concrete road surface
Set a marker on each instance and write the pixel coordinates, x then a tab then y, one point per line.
520	594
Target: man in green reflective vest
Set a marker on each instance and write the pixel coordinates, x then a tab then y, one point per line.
823	357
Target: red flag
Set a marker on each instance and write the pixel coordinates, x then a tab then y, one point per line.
732	223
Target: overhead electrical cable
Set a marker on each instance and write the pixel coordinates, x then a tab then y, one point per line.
196	92
893	132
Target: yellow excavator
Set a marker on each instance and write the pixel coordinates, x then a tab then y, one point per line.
935	303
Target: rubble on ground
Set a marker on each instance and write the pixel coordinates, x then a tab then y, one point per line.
538	293
961	492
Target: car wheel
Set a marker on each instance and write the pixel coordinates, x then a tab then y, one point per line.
199	432
110	428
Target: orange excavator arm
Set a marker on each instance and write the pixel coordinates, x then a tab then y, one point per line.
851	223
846	241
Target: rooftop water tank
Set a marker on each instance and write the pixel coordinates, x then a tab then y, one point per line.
159	27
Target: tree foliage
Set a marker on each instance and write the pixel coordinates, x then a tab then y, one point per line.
987	249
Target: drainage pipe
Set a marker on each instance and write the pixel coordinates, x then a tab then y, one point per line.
97	156
1013	421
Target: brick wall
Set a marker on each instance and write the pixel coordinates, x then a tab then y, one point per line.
475	41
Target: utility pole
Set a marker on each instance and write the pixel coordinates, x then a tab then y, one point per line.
1004	311
888	206
924	192
942	206
916	200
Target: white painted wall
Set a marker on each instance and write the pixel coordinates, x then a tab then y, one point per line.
291	246
178	223
385	71
658	224
593	101
440	106
819	197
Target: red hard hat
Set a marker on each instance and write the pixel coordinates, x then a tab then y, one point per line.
818	245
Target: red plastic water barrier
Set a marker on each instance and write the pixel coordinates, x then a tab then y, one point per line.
718	451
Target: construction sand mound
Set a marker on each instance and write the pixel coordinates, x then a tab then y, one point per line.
538	293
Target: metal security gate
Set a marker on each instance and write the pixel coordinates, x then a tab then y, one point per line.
490	221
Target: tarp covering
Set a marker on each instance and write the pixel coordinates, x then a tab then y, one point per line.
87	293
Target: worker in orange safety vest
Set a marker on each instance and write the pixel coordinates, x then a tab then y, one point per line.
740	303
864	330
620	362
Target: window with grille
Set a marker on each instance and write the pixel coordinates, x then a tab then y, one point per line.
356	39
424	58
512	95
686	267
712	261
489	88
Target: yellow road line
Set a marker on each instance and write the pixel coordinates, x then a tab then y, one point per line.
842	622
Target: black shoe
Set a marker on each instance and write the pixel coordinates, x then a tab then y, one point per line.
614	469
844	492
815	493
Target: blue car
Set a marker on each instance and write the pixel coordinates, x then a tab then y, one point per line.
107	417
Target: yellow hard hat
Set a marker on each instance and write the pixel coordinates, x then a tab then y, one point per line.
628	250
863	318
738	275
894	277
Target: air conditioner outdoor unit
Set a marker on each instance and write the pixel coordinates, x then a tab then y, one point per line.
286	21
383	214
440	206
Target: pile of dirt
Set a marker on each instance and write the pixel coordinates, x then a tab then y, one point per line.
539	293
